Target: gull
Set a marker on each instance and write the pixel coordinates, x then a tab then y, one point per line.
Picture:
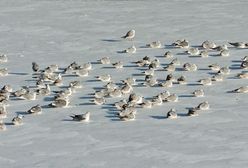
40	83
86	66
170	77
245	58
35	67
104	78
220	48
135	99
151	82
111	86
4	98
175	61
128	117
214	67
168	54
224	70
172	98
193	51
154	44
35	109
172	114
127	110
30	95
3	58
116	93
206	81
164	95
182	80
60	103
105	60
81	117
166	84
99	101
3	112
82	72
181	43
204	54
75	84
170	68
243	89
146	104
243	75
129	35
130	50
208	45
203	106
224	53
44	91
18	120
100	94
4	72
53	67
64	93
193	112
149	72
118	65
2	126
244	65
157	101
120	105
6	89
140	63
58	81
130	81
198	93
126	89
238	44
20	92
218	77
189	67
147	60
155	63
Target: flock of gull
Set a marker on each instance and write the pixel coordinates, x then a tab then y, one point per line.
127	107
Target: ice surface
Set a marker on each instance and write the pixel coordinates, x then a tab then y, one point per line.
61	32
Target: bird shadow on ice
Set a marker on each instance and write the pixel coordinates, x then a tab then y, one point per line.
129	66
158	117
21	113
193	84
203	69
18	73
107	67
67	120
92	80
96	62
236	61
186	96
121	52
110	40
8	123
48	98
86	104
86	97
169	46
70	75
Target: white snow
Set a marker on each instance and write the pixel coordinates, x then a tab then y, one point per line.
61	32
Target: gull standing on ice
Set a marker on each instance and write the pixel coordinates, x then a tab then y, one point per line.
129	35
35	109
18	120
172	114
81	117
